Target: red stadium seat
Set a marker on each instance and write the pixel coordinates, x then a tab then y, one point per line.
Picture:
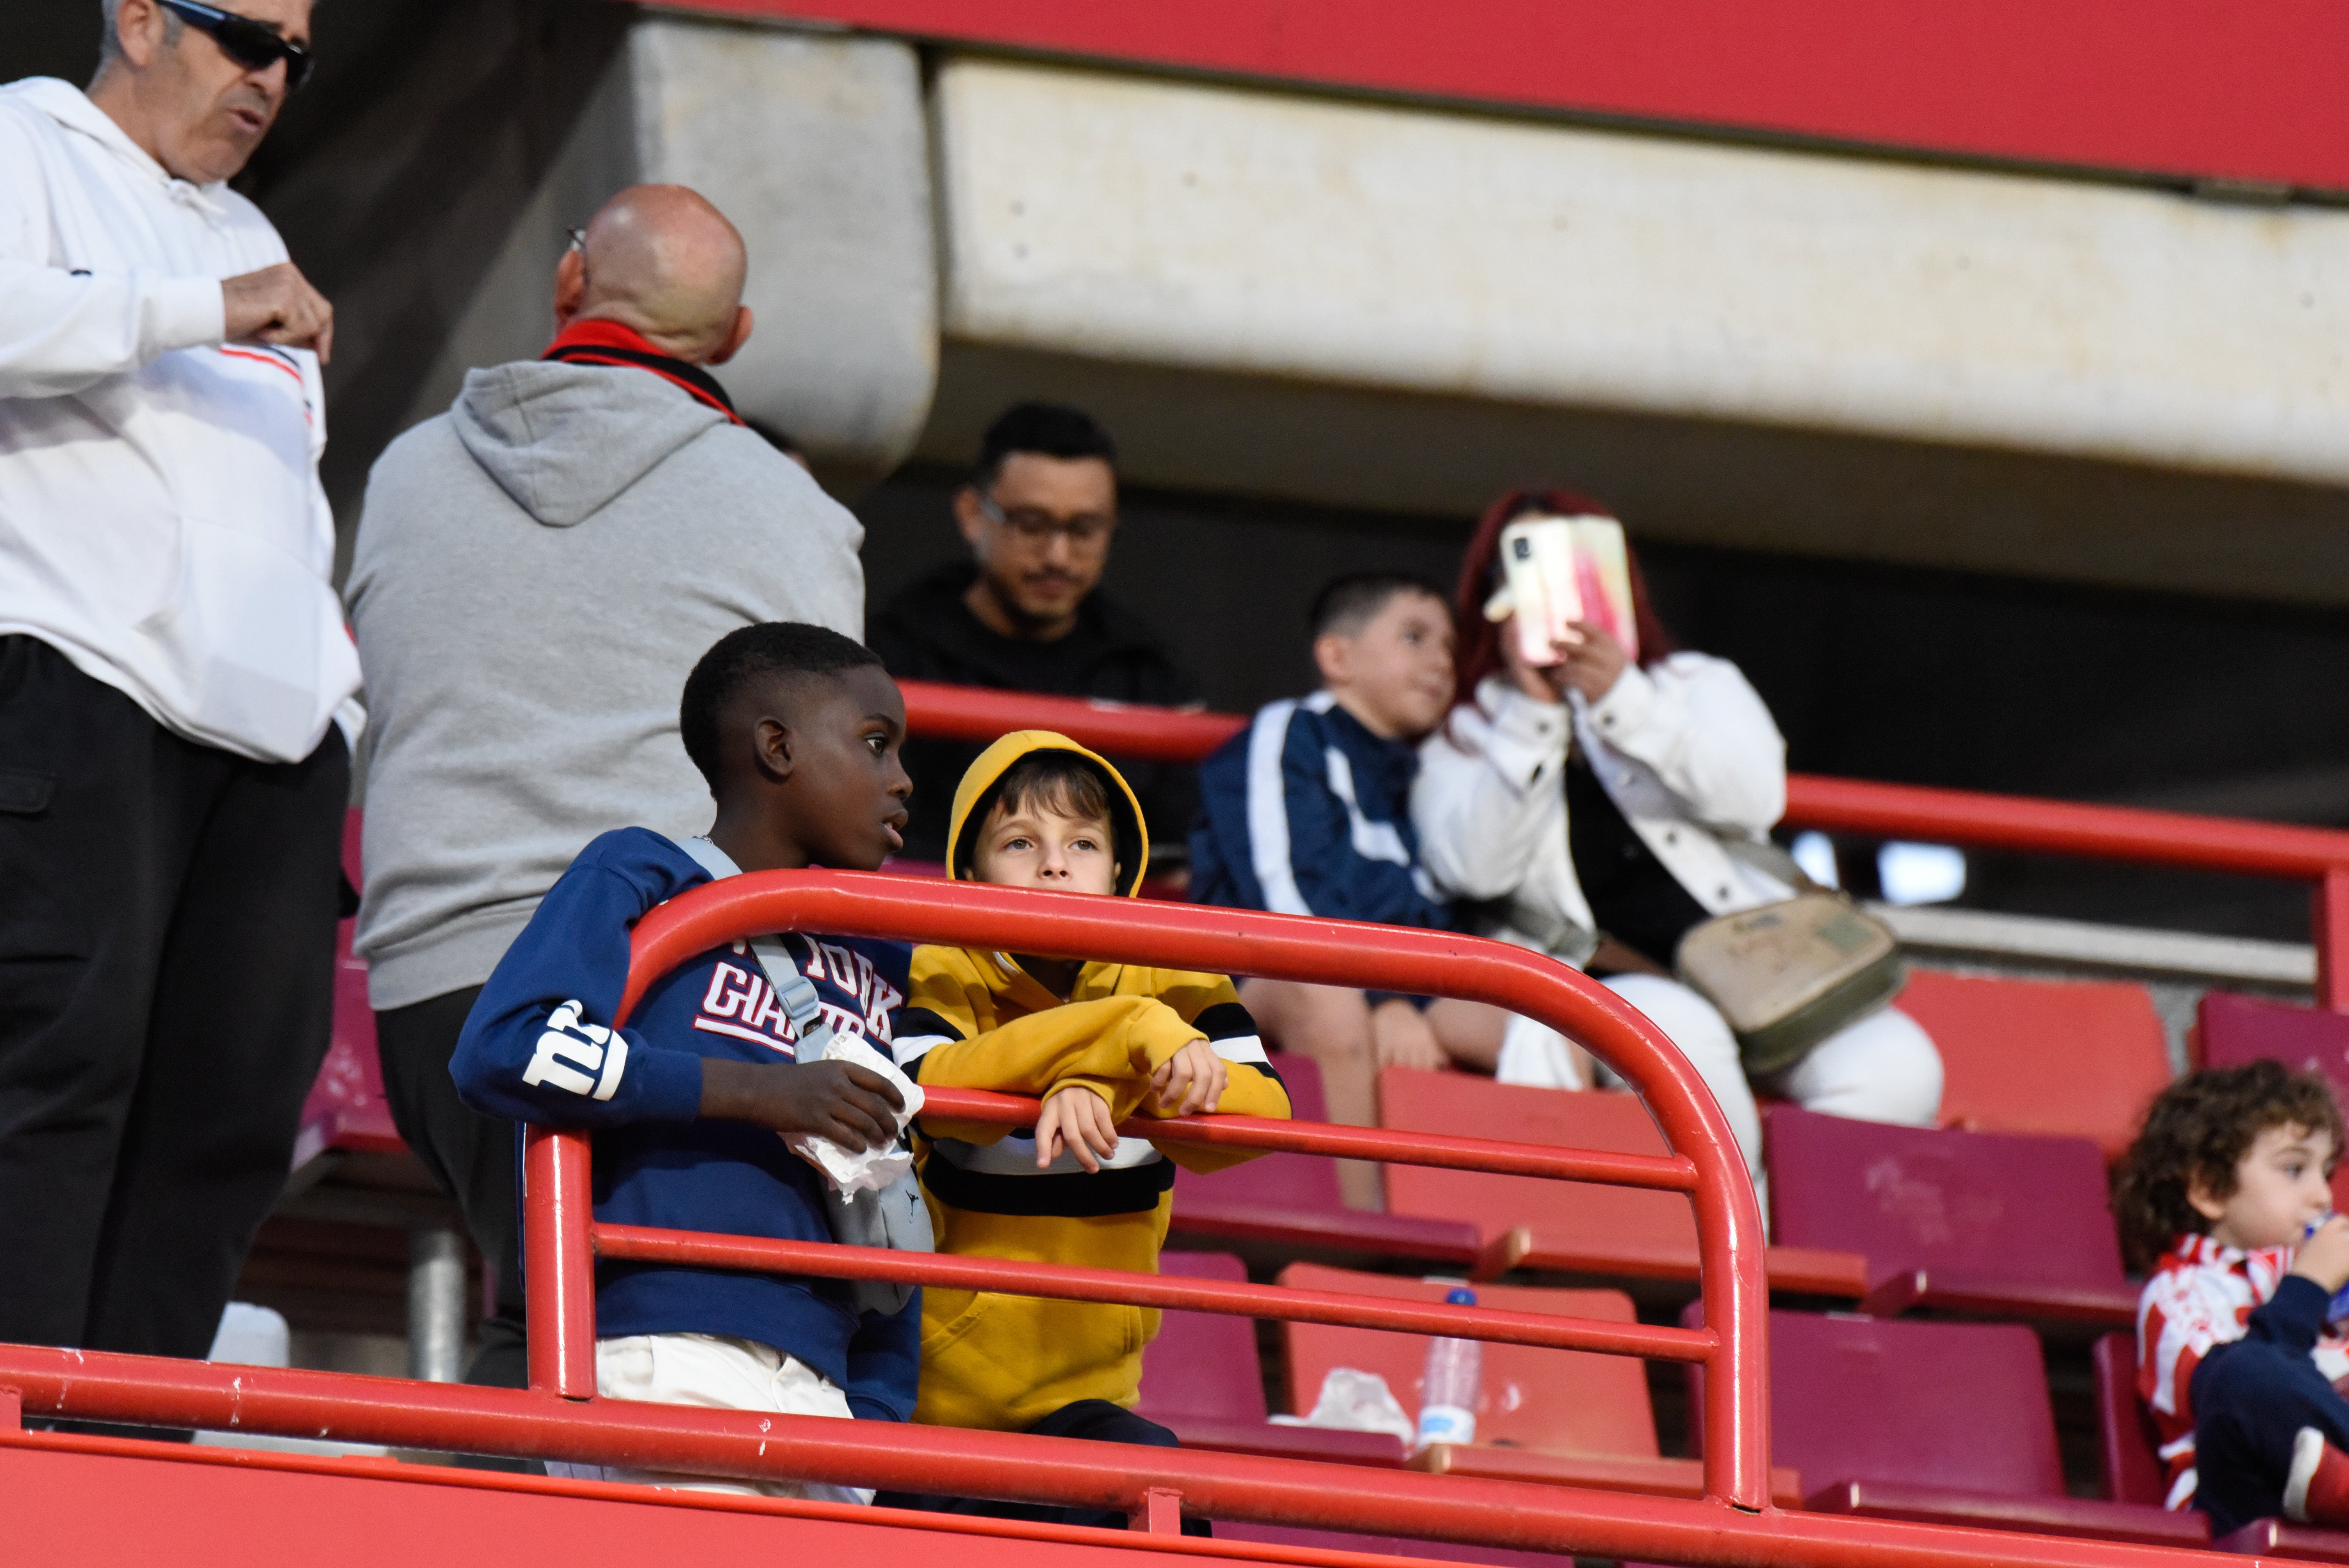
2233	1030
1942	1422
1558	1417
1992	1223
1290	1202
2070	1059
1568	1228
1556	1401
1202	1377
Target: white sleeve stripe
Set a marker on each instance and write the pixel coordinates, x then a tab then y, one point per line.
918	1046
1267	810
616	1062
1240	1048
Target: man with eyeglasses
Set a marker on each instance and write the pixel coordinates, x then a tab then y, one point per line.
177	691
1025	612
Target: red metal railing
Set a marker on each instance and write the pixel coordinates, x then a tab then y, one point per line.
563	1241
1733	1524
560	1417
2318	856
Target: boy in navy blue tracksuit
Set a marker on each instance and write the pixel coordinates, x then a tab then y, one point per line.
1307	811
797	730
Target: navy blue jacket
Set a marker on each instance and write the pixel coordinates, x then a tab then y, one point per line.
537	1049
1307	812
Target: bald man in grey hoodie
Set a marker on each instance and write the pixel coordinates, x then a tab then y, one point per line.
536	571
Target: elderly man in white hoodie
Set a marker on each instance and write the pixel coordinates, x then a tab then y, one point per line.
172	669
537	571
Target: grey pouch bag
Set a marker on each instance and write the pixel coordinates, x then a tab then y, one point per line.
894	1216
1788	974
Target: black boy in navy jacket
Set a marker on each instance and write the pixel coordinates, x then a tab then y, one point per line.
797	728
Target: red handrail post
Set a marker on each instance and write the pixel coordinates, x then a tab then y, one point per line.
2329	925
559	1269
1736	1296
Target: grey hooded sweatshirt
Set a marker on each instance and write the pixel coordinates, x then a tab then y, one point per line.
537	570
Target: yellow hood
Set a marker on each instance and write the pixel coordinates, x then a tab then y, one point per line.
975	795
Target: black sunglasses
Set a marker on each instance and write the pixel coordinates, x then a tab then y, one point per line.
249	43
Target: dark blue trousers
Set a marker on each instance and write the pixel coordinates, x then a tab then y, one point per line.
1096	1419
2252	1398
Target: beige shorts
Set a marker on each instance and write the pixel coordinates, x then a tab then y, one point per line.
715	1373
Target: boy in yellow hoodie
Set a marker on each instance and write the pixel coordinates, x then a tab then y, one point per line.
1097	1043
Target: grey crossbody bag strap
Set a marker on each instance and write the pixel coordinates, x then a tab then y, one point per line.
895	1216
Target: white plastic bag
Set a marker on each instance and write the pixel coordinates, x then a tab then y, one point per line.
1352	1401
878	1167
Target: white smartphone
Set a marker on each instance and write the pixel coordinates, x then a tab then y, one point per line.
1565	569
1537	557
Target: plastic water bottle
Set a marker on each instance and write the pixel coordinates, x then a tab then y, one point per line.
1455	1378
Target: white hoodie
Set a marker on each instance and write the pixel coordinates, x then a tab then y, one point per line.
162	523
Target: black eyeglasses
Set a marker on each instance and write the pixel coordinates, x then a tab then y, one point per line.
250	44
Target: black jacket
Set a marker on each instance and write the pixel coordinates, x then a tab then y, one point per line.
927	633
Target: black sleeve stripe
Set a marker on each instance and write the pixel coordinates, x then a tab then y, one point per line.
1224	1021
1075	1194
913	1022
1266	1068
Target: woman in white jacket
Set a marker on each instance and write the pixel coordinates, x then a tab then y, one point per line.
1584	806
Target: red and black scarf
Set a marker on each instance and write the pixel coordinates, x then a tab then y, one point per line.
608	343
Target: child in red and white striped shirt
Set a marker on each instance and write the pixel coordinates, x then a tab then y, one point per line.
2234	1358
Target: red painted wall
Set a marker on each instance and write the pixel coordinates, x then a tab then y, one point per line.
2192	87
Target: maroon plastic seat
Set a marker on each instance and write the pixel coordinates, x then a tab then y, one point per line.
1936	1421
1290	1203
1202	1377
346	1110
1996	1223
2282	1538
2234	1030
2131	1448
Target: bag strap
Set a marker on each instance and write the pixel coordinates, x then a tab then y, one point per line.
1766	856
795	990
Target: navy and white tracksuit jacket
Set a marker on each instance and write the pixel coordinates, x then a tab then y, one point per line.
538	1048
1307	812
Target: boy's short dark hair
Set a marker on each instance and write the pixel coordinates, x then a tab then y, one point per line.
1046	429
2199	1130
1057	781
787	650
1346	604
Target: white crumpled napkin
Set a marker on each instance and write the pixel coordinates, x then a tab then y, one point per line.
876	1168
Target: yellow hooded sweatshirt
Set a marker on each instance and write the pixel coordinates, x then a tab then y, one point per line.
977	1020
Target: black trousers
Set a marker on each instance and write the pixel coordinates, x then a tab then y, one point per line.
470	1155
1096	1419
167	950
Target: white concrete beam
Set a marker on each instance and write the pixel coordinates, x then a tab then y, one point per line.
1239	231
817	146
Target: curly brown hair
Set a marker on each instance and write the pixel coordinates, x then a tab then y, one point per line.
2198	1129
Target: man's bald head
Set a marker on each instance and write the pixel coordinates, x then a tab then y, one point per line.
661	259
